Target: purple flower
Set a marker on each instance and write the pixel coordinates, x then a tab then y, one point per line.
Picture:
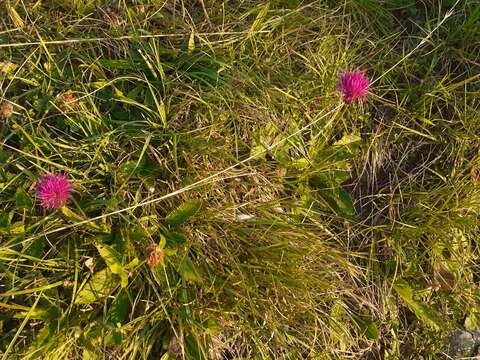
53	191
353	85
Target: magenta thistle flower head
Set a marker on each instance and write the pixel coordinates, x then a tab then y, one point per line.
353	85
53	190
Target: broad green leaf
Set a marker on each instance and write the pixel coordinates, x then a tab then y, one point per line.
128	168
136	93
330	190
114	337
338	322
371	332
132	264
90	354
337	155
35	248
4	220
170	252
338	200
94	332
71	215
189	271
192	348
348	139
347	148
329	180
175	239
211	326
76	218
23	200
264	138
42	336
125	64
118	312
17	228
183	213
100	285
14	228
344	201
368	327
299	164
162	242
257	151
421	310
39	313
112	259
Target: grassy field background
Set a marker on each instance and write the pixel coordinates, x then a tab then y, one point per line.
292	226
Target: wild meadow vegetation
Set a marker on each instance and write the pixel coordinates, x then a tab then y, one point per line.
222	200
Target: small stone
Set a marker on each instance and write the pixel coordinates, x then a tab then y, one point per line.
68	101
462	344
243	217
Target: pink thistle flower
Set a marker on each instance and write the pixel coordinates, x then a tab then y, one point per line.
353	85
54	191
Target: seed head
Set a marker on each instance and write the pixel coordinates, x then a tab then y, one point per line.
6	110
156	255
68	101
